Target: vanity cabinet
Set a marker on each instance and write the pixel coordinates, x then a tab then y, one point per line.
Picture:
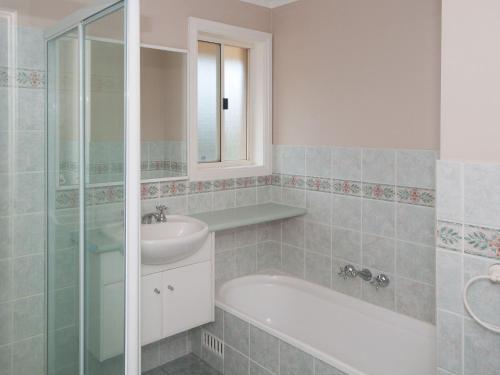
177	297
176	300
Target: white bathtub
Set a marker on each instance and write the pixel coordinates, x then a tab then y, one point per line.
351	335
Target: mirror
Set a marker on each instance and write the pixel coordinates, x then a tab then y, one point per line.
163	113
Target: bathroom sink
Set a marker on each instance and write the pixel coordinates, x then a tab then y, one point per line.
178	238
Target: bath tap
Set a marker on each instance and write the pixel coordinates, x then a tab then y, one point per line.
160	216
349	271
381	281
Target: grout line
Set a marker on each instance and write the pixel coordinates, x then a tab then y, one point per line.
462	261
396	234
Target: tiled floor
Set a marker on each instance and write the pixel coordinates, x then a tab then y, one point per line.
187	365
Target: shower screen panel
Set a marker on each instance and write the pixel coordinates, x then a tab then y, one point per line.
86	217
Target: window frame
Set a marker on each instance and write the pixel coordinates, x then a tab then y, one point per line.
259	103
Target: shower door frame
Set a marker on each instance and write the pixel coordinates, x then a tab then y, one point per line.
132	156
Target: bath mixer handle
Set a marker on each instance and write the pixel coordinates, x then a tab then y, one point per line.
348	271
380	281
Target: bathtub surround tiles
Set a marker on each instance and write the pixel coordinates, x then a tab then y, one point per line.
247	250
167	350
370	208
22	179
254	351
467	239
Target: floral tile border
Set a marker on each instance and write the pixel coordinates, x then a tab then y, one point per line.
482	241
264	180
293	181
474	239
173	188
200	187
68	198
346	187
401	194
449	235
379	191
416	196
276	180
223	185
319	184
24	78
150	190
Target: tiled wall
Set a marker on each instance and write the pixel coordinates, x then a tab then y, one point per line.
249	350
370	208
22	234
158	160
237	250
166	350
468	242
202	196
247	250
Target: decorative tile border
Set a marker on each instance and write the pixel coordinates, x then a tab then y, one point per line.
319	184
449	235
24	78
401	194
379	191
264	180
423	197
482	241
475	240
223	185
173	188
417	196
293	181
276	180
346	187
200	187
68	198
246	182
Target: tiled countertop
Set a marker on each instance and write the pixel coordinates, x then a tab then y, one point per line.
249	215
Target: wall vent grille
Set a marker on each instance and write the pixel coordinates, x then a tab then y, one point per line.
212	343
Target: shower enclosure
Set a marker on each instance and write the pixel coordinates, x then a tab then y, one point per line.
92	230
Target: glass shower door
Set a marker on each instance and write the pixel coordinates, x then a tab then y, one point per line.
63	226
86	205
104	207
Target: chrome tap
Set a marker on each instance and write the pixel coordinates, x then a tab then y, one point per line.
349	271
162	213
381	281
160	216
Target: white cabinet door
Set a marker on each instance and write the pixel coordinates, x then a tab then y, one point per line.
151	308
187	300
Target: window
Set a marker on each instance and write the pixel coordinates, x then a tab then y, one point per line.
222	102
230	91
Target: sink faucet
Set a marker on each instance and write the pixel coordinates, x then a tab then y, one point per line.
160	216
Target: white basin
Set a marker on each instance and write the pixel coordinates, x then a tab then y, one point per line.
178	238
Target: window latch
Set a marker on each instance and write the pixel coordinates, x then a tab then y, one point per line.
225	103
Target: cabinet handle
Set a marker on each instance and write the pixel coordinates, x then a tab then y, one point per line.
157	291
170	287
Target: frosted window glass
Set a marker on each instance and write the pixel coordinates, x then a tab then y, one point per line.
234	141
208	102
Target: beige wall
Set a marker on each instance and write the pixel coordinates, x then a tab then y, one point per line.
470	126
163	95
164	22
357	73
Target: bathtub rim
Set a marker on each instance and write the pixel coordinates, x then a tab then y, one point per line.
430	330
